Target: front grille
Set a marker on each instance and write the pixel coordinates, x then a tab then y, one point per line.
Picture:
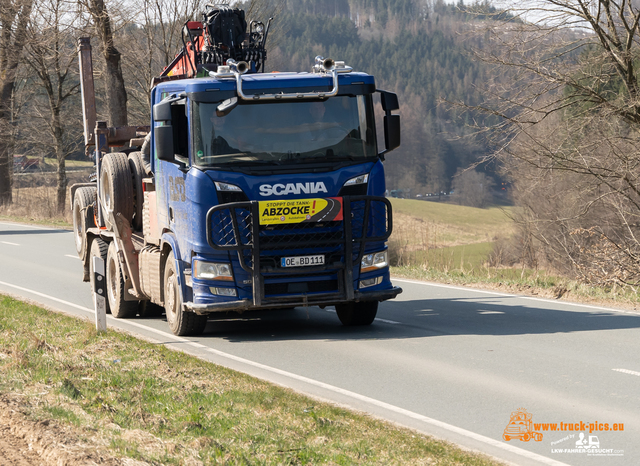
288	236
221	223
260	248
321	286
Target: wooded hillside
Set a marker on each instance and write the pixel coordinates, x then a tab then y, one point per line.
415	49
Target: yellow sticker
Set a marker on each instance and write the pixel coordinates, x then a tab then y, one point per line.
300	210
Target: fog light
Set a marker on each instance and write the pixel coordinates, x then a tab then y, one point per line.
223	291
373	261
370	282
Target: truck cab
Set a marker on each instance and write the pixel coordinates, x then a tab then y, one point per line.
269	190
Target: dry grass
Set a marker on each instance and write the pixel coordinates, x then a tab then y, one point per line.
444	237
34	198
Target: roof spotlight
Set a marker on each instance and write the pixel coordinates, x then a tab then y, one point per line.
257	27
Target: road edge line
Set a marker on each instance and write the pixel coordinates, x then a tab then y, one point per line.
508	295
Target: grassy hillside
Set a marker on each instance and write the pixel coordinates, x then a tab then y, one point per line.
456	225
445	236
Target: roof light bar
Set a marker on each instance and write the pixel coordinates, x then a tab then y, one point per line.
323	66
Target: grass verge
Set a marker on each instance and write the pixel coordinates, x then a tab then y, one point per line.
448	243
143	401
538	283
56	222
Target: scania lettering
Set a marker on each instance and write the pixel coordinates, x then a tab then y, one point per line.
297	188
246	190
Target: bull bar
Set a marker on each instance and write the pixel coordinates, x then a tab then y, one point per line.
236	227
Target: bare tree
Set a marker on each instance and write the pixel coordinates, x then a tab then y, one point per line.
567	98
472	188
116	93
51	57
150	43
14	18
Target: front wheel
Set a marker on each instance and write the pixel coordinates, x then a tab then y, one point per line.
180	321
362	313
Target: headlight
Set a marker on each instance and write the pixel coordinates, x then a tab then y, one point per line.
220	186
373	261
212	271
362	179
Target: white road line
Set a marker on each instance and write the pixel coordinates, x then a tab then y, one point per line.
356	396
73	257
377	318
388	321
627	371
26	226
507	295
8	242
42	295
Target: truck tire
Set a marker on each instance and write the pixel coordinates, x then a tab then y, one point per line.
120	308
362	313
116	187
180	321
136	165
83	219
98	248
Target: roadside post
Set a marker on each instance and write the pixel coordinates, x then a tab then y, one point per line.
99	291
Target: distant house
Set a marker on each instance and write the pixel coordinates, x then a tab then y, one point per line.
22	163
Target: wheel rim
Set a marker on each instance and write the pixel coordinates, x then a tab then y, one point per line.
171	298
106	194
77	225
113	278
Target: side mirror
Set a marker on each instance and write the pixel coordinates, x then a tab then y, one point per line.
162	111
389	101
391	132
164	142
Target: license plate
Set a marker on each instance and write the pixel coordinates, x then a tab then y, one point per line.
302	261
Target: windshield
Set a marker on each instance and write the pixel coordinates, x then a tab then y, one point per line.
341	127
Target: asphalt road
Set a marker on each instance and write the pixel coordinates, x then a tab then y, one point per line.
448	361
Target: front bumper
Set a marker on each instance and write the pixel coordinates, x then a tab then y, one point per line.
292	301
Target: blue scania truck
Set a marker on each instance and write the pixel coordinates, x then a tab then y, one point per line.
248	191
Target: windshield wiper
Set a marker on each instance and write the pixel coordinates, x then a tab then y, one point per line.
345	157
257	162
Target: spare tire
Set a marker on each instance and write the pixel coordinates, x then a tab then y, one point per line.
136	166
83	218
116	187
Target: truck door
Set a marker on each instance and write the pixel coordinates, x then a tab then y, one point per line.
172	162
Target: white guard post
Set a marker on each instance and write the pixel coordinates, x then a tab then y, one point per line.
99	294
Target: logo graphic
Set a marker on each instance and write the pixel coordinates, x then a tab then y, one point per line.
292	188
521	427
300	210
584	444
